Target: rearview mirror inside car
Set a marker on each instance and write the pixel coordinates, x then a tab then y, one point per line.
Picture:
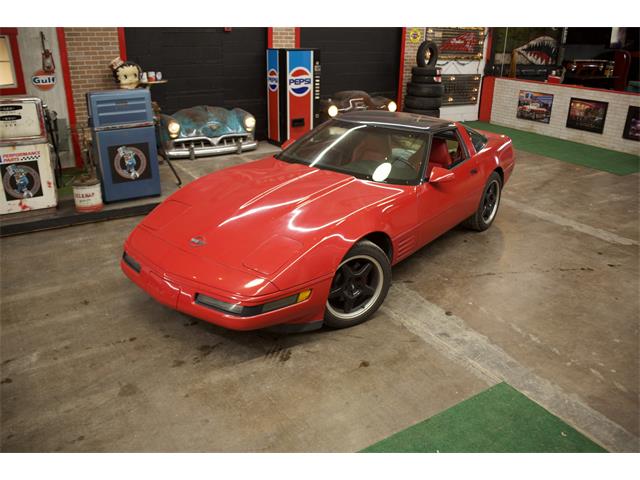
439	175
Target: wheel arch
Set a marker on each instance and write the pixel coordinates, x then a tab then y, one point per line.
382	240
500	172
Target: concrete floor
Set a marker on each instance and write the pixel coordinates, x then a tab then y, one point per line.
547	300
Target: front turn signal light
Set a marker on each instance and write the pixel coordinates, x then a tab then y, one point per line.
302	296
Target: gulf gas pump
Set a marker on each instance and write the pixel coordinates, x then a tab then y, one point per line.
293	92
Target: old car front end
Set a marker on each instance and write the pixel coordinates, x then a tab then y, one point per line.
205	130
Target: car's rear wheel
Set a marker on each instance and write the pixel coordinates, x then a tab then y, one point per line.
489	203
359	286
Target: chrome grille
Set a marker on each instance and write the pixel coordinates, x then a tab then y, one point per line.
205	142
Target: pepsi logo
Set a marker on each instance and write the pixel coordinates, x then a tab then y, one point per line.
299	81
272	80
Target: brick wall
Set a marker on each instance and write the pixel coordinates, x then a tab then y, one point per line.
410	52
505	103
284	37
90	50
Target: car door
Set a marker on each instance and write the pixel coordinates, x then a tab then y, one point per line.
443	205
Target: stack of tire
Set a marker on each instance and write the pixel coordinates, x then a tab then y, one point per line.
425	90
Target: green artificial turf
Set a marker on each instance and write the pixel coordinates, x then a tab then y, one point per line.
577	153
500	419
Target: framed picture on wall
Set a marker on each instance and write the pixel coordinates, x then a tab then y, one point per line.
587	115
632	125
534	106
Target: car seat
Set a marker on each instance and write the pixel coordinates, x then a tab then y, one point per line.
439	155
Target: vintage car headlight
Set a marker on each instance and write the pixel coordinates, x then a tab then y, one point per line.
174	128
332	111
249	123
392	106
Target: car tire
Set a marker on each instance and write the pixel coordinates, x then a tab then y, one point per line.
347	287
489	203
422	90
422	103
426	71
429	48
426	79
429	113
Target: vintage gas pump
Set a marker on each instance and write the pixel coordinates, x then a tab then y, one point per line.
124	142
26	169
293	92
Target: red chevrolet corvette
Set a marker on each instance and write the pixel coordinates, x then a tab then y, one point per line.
308	237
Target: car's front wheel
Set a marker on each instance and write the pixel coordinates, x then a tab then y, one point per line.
359	286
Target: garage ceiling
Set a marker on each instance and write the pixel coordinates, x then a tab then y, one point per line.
356	58
205	66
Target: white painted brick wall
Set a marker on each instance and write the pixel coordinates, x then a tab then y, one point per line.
505	104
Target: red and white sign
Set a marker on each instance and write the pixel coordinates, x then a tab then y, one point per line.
43	80
464	43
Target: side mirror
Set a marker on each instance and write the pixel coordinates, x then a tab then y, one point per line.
440	175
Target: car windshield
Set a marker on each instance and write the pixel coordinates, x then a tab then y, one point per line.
369	152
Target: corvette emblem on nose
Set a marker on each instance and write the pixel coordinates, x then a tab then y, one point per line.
198	241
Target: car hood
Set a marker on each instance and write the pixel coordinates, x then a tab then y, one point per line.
206	121
261	215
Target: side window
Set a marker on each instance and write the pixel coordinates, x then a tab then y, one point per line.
447	150
479	141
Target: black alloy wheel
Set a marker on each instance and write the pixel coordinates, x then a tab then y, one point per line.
359	286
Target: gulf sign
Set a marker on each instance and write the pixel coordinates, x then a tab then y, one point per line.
299	92
43	80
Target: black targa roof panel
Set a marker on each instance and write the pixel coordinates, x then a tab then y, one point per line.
395	120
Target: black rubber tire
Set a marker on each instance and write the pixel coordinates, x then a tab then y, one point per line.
426	71
475	221
425	90
364	247
426	79
428	113
422	103
423	49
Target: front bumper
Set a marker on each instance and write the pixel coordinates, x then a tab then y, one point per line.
181	294
202	148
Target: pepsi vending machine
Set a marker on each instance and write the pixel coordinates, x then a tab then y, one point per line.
293	92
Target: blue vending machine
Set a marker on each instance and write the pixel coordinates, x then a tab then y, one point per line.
124	142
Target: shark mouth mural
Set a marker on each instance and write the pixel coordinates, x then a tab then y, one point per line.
540	51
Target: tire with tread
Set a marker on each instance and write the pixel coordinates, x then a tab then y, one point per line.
426	79
422	90
476	221
426	71
422	103
367	249
433	51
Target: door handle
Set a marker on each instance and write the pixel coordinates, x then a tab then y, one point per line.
474	171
